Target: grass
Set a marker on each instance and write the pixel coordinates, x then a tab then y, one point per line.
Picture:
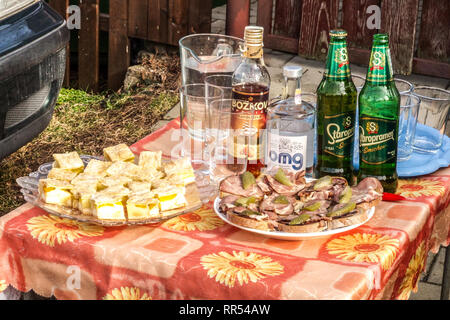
87	123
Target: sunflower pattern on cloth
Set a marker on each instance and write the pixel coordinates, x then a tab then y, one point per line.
127	293
414	188
365	247
203	219
411	279
3	285
50	230
239	266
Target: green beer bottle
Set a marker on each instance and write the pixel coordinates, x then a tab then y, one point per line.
379	106
336	112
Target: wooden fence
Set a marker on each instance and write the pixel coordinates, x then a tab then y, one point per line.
419	30
164	21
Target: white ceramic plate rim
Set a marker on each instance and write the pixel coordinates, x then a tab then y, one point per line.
290	235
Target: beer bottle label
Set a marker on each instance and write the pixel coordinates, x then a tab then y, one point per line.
339	132
338	66
380	68
245	103
377	139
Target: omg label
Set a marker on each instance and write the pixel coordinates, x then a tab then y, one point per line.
339	133
377	140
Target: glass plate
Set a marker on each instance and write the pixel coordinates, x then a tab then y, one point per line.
29	190
420	163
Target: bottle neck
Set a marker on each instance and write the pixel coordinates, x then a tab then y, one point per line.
254	52
380	65
292	89
338	67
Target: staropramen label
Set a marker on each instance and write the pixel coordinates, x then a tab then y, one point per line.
377	140
339	132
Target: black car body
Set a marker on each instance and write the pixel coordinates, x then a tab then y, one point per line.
33	40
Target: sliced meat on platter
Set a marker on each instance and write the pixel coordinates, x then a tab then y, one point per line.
367	193
279	204
233	185
283	201
286	183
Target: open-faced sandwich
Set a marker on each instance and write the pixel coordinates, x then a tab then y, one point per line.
284	201
119	188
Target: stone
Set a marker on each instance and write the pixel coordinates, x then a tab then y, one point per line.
437	268
173	113
276	59
218	27
426	291
134	76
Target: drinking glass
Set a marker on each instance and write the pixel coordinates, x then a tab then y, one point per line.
222	81
358	81
359	84
409	107
432	118
194	99
229	148
403	86
311	98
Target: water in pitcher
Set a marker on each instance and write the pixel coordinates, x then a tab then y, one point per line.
197	72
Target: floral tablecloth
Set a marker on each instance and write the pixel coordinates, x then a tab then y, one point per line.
198	256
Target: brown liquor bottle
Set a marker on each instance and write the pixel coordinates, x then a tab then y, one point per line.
251	84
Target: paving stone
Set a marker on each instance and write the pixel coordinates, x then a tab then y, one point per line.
159	125
437	269
218	14
173	113
222	10
312	73
218	27
430	259
276	82
426	291
276	59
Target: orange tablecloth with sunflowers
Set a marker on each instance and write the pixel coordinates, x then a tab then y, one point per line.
198	256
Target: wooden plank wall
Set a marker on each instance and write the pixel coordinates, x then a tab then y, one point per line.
119	43
428	53
318	18
167	21
164	21
399	19
285	33
354	20
88	45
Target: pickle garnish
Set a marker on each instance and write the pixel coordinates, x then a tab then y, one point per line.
245	201
313	207
345	195
250	212
281	200
248	179
281	177
349	207
300	219
323	183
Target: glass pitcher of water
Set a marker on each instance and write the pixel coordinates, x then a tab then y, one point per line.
206	54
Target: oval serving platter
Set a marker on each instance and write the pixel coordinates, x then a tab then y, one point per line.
29	190
287	235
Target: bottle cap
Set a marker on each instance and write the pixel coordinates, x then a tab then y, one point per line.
253	35
292	71
338	33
